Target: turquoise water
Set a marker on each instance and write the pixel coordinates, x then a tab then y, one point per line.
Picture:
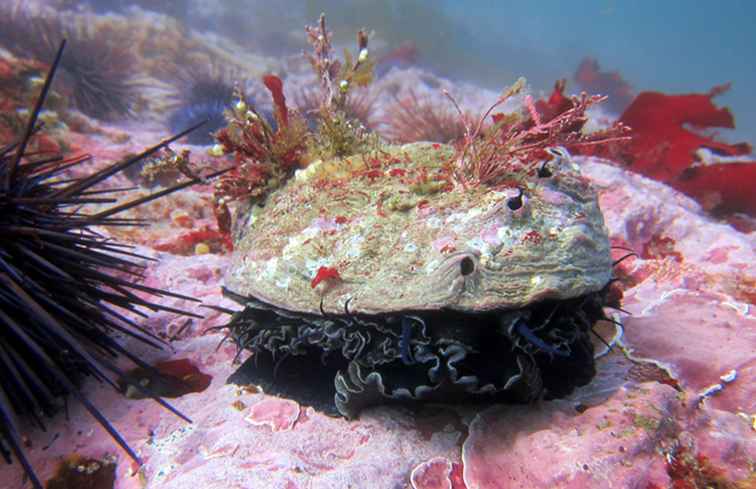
673	46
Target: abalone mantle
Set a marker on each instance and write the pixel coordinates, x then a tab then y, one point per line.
399	245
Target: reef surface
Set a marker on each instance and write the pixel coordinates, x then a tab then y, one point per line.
673	405
677	404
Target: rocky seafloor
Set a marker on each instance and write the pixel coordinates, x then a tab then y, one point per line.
675	401
673	404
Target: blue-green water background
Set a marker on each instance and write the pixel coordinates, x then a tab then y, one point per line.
673	46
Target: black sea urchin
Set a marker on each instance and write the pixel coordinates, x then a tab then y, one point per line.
96	71
412	118
205	98
64	287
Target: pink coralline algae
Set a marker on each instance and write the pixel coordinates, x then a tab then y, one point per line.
610	446
671	407
433	474
278	414
437	473
625	429
693	322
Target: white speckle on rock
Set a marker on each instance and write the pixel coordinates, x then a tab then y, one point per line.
740	307
298	240
410	247
431	266
504	235
354	245
270	268
729	376
434	222
313	265
479	245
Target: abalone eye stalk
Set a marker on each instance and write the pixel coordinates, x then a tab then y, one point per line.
560	154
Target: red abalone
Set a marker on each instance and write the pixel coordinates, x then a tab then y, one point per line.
435	291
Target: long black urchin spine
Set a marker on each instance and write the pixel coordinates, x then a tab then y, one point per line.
64	287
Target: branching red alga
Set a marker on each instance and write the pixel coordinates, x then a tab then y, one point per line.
265	155
510	149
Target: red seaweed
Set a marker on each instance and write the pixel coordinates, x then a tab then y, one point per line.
275	85
170	378
78	472
723	189
666	135
185	244
662	147
325	273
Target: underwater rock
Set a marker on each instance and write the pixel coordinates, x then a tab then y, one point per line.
437	473
384	445
278	414
375	279
611	446
223	448
692	322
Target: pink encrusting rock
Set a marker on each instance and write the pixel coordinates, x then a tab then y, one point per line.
704	340
683	247
691	308
433	474
613	445
726	440
278	414
222	449
690	296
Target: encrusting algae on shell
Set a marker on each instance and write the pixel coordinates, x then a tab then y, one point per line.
426	271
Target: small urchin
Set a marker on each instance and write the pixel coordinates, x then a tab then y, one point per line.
97	72
203	96
65	288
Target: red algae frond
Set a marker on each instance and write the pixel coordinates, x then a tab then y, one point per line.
265	156
668	134
337	77
510	149
325	274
